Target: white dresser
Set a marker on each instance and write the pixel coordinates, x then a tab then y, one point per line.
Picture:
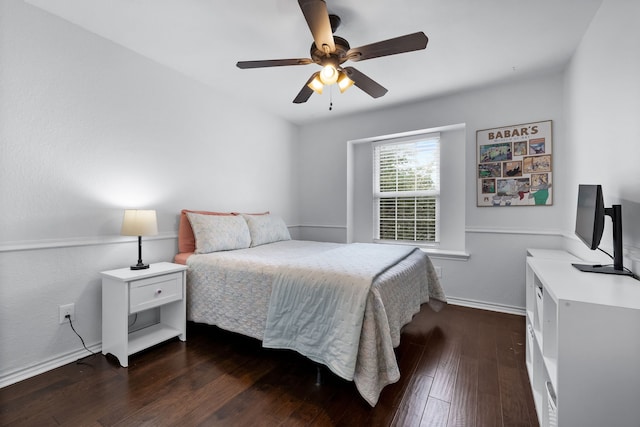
583	343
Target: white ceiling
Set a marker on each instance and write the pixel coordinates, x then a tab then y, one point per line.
471	43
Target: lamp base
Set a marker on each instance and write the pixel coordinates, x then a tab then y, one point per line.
139	266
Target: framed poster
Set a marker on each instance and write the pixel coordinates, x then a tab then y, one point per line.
514	165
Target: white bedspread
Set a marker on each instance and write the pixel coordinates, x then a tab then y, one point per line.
317	303
232	290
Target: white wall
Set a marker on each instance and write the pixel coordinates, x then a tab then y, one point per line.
496	238
88	128
602	99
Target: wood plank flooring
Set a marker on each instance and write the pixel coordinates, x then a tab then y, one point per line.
459	367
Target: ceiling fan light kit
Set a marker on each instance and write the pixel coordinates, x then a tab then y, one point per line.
329	75
344	82
330	52
319	80
316	84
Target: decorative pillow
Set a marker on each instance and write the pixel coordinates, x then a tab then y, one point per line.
219	232
266	229
186	240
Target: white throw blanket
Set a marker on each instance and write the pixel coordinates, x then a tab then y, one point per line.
317	303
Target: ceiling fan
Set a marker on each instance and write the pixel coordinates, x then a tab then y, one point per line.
330	52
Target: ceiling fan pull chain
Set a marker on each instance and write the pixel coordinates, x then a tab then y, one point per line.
330	97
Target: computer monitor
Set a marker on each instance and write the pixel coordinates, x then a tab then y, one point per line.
590	215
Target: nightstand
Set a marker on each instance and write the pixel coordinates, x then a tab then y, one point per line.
126	291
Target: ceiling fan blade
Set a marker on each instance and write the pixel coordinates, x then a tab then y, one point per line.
365	83
315	12
273	63
402	44
306	92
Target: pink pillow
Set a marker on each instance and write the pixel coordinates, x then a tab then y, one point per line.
181	258
186	239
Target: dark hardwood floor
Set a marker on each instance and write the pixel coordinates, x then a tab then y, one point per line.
459	367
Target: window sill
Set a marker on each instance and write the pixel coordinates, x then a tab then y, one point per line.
433	252
444	254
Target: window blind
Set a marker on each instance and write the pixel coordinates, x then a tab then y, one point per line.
407	189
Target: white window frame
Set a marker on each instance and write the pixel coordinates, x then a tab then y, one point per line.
434	193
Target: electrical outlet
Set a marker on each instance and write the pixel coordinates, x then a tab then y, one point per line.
64	310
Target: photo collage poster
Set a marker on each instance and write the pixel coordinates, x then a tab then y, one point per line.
515	165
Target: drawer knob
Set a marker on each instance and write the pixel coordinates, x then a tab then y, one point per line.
159	291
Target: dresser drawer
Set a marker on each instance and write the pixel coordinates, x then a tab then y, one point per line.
154	291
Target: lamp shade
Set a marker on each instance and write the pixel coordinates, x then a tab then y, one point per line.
138	222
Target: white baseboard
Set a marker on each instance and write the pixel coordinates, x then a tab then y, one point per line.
483	305
47	365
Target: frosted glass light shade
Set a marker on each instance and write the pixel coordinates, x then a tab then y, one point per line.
344	82
137	222
316	84
329	75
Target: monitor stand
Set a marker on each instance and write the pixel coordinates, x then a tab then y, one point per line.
597	268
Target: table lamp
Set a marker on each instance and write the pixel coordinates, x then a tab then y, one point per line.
139	223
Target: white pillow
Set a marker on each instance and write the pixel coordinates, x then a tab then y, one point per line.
219	233
266	229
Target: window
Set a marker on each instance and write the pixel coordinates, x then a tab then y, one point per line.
363	190
406	189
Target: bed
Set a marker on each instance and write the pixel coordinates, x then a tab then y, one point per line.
341	305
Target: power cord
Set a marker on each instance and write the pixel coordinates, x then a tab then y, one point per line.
635	276
74	330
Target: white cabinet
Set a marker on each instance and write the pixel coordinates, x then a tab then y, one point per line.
583	343
126	291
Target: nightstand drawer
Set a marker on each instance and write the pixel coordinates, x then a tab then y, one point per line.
154	291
